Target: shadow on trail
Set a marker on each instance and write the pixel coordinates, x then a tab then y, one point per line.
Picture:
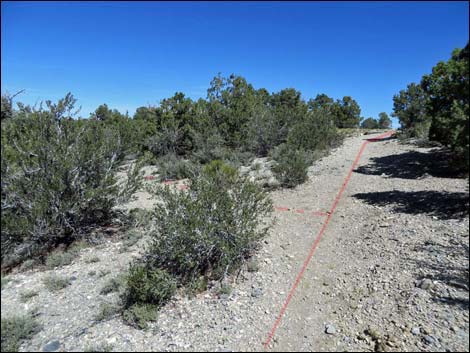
453	273
412	165
444	205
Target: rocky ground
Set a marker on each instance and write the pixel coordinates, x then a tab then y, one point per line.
390	273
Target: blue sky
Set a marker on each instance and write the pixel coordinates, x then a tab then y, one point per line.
129	54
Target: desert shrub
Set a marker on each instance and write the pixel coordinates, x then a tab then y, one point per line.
316	131
198	285
55	283
212	228
59	259
113	285
224	289
17	329
147	285
27	295
4	281
107	311
138	315
57	178
171	167
291	165
28	265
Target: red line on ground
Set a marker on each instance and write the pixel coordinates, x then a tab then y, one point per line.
318	238
319	213
300	211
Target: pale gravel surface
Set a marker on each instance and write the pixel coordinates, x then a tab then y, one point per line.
365	273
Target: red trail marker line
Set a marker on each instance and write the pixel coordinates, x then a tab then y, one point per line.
318	238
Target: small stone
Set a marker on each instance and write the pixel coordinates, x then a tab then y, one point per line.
330	329
415	331
51	346
256	292
429	339
425	284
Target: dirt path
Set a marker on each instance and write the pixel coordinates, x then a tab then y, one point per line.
390	273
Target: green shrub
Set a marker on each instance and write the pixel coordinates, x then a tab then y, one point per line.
145	285
107	311
138	315
212	228
171	167
315	131
28	265
55	283
198	285
225	289
59	259
57	179
17	329
27	295
4	281
291	165
113	285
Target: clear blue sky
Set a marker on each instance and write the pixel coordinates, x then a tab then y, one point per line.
129	54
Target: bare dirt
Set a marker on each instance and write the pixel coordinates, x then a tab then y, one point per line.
390	273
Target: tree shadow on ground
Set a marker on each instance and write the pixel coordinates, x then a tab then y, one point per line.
441	204
413	165
453	273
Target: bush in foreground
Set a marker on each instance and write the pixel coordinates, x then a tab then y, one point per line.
209	230
291	165
57	179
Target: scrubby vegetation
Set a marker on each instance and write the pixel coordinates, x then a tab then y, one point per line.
59	170
59	182
438	107
212	228
57	178
15	330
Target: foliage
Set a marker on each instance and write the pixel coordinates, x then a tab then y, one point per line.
113	285
107	311
316	131
15	330
370	123
138	315
291	165
209	230
57	178
55	283
171	167
148	285
384	121
409	106
447	88
439	106
27	295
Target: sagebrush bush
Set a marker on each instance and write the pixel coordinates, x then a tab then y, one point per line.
212	228
17	329
138	315
57	178
171	167
291	165
148	285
